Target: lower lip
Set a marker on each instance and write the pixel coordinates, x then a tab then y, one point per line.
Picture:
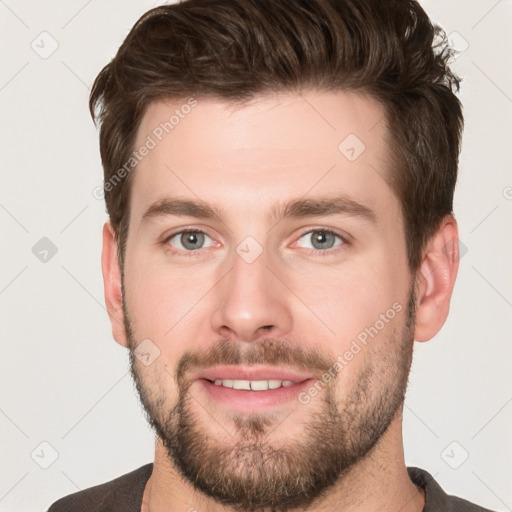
248	401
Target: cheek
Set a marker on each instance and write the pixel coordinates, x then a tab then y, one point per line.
364	309
157	385
159	297
346	301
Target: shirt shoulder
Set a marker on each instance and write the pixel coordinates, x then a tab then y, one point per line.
123	494
436	499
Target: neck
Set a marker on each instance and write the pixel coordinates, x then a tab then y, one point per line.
379	482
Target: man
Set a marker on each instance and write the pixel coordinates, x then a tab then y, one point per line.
279	177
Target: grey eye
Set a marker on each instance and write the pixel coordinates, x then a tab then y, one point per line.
321	239
189	240
192	240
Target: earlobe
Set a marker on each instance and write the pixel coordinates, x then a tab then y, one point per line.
436	279
112	284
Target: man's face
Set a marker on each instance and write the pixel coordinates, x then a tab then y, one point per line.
316	294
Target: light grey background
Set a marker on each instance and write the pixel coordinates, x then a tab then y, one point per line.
65	382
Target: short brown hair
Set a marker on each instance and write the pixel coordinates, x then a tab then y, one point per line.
236	49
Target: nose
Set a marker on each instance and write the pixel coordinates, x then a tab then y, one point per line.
251	303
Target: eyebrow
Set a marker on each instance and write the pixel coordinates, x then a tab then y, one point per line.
298	208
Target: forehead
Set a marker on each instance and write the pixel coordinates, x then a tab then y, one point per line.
275	146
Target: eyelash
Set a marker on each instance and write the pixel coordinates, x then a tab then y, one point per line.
318	252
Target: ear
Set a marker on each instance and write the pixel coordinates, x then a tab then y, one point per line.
112	284
435	280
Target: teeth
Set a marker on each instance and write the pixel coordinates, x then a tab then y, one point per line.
254	385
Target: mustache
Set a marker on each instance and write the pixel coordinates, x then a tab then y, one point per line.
269	351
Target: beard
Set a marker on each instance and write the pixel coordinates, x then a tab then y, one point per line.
247	472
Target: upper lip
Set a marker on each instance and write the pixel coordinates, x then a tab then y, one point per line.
245	373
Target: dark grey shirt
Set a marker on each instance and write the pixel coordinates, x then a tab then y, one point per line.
124	494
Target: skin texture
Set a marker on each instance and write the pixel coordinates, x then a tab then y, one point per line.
291	307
